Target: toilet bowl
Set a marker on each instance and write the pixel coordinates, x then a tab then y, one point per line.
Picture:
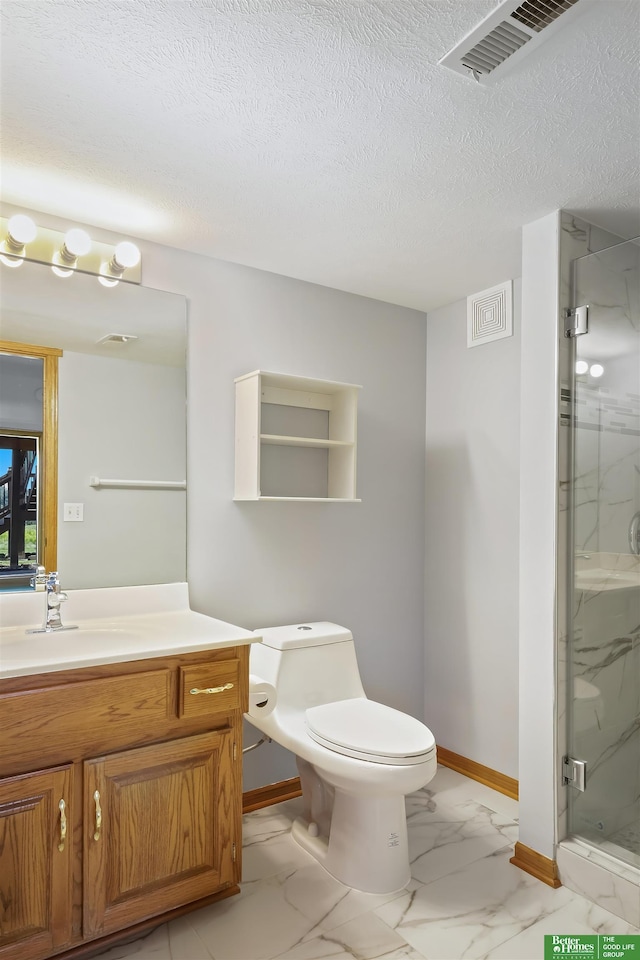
357	758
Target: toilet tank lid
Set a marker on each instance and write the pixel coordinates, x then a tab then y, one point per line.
303	635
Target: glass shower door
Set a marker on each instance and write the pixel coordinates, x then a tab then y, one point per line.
604	635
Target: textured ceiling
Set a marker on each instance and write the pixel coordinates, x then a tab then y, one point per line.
319	138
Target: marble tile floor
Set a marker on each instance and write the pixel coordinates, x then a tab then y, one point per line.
465	900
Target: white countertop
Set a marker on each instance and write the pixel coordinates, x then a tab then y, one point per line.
115	624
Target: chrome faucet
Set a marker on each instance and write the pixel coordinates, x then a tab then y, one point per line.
39	578
54	596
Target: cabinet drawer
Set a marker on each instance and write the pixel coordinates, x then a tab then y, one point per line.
209	688
69	720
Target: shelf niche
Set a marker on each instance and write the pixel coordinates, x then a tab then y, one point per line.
295	438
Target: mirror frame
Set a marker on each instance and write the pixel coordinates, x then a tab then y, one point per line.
48	478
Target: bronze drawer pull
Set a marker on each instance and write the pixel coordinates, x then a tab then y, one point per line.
63	825
226	686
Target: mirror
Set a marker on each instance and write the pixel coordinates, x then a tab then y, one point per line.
121	423
29	455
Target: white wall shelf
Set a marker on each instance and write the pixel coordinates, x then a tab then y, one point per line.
295	438
283	441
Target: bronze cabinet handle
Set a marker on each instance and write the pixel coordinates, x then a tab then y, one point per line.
196	690
96	833
63	825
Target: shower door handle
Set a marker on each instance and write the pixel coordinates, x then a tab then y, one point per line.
634	534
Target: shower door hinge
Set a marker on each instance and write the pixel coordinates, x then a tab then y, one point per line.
574	772
576	321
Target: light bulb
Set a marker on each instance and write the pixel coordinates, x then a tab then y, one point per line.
62	271
77	242
105	277
581	367
126	255
596	369
21	229
10	261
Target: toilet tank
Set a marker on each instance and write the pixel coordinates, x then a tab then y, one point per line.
308	663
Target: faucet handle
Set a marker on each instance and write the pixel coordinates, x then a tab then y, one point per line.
56	598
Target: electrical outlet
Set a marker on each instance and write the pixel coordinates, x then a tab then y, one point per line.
74	511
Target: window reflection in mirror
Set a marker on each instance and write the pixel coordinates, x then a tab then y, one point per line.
18	508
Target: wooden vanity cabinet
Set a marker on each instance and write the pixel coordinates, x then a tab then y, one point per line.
120	799
35	863
156	829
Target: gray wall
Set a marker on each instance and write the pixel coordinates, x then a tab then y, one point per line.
262	564
472	532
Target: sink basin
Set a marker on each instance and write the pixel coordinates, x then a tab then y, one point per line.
81	634
62	644
100	634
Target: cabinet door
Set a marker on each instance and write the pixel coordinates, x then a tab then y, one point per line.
161	828
36	830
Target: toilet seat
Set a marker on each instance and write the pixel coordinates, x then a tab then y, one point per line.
371	731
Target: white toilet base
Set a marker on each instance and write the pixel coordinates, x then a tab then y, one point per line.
367	847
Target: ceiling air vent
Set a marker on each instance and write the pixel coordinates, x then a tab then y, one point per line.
117	338
512	28
538	14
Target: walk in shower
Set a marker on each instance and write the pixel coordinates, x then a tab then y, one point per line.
603	711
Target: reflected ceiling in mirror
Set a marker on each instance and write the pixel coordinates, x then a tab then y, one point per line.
77	312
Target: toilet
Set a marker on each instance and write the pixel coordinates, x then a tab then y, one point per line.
357	759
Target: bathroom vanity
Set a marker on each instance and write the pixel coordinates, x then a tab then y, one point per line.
120	768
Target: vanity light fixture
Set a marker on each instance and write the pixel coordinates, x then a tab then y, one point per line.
581	367
596	370
76	243
104	277
68	252
20	230
125	257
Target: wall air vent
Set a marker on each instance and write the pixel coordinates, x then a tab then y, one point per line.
490	314
513	28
